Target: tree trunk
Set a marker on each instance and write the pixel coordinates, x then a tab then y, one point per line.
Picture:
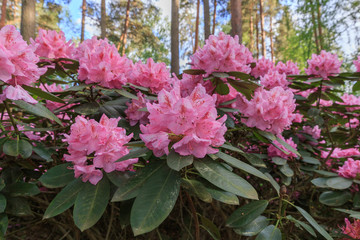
314	29
83	14
214	18
319	25
257	35
236	19
206	19
271	41
27	26
251	47
123	37
263	47
197	26
175	66
3	14
103	19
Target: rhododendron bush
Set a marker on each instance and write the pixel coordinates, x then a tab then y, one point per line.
234	146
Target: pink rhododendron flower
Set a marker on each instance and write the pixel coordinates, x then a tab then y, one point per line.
354	122
289	68
323	65
274	79
357	64
315	131
189	82
222	53
342	153
274	152
154	76
133	113
298	117
350	99
263	66
325	103
17	59
350	169
190	123
50	44
101	63
102	139
17	93
352	229
270	110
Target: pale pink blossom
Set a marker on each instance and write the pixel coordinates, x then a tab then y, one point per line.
222	53
323	65
352	229
342	153
270	110
290	68
350	169
154	76
274	152
263	66
357	64
350	99
132	112
315	131
274	79
17	93
190	123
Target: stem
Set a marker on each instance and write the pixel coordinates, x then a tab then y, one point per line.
196	220
11	117
320	90
110	222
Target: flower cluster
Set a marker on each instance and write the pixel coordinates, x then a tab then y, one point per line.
314	132
263	66
132	112
270	110
152	75
275	152
189	125
350	99
290	68
352	229
222	53
50	44
101	63
323	65
274	79
350	169
95	145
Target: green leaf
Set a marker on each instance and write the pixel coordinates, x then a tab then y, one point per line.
311	160
320	182
2	203
220	74
302	224
313	223
57	176
130	189
38	110
356	86
286	170
134	153
18	206
43	94
273	183
194	71
16	147
126	94
155	201
287	146
241	165
222	88
240	75
253	228
339	183
197	188
219	176
269	233
326	173
279	160
44	152
334	199
22	189
4	221
210	227
353	214
64	199
118	178
232	148
87	108
254	160
246	214
222	196
356	200
177	162
91	203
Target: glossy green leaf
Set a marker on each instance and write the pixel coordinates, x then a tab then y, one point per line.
125	93
273	183
215	173
320	182
155	201
57	176
334	199
2	203
253	228
311	160
91	203
313	223
134	153
22	189
339	183
356	86
87	108
177	162
118	178
269	233
302	224
326	173
223	196
39	110
194	71
286	170
4	222
130	189
279	160
45	95
64	199
44	152
246	214
222	88
287	146
241	165
18	206
356	200
210	227
17	147
231	148
197	188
